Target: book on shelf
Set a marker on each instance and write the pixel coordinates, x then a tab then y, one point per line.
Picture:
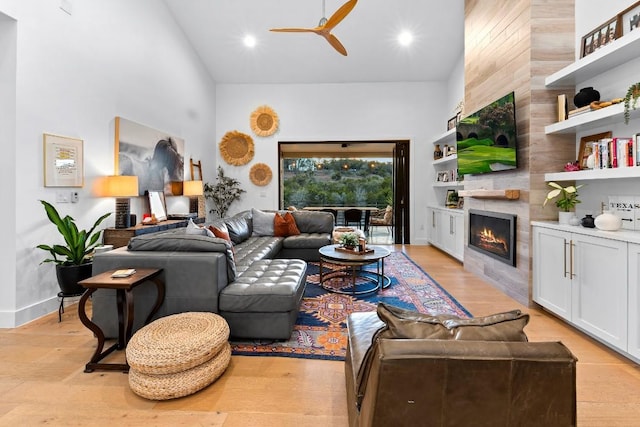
615	153
563	107
119	274
578	111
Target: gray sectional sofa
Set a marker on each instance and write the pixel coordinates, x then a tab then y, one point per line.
256	283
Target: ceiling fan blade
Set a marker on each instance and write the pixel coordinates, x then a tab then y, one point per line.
333	41
294	30
340	14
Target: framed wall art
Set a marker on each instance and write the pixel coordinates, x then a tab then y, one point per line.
629	19
601	36
63	161
155	157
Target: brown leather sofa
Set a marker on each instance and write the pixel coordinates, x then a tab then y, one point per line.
452	381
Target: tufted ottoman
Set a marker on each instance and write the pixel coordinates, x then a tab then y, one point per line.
264	300
178	355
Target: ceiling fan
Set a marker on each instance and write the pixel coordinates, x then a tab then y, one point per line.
326	25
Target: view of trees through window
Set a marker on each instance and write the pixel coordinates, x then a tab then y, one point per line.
337	182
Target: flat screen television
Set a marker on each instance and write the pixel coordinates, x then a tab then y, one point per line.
486	139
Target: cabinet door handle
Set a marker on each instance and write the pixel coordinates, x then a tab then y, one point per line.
450	225
565	258
571	246
433	219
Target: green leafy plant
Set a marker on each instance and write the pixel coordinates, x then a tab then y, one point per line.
79	243
630	100
223	193
568	196
349	240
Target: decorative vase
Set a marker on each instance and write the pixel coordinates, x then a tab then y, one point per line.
574	221
437	153
586	96
564	217
588	221
608	221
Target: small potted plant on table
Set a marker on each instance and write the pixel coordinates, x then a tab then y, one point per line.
349	240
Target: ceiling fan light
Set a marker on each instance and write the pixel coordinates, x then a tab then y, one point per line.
405	38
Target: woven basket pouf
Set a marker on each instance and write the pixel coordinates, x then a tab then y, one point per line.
178	355
179	384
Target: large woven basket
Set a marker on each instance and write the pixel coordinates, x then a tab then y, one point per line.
177	342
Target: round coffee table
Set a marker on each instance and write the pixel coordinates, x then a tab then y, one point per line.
362	281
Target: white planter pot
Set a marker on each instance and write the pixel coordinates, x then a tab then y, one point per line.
564	217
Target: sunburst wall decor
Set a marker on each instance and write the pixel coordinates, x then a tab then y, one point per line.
236	148
260	174
264	121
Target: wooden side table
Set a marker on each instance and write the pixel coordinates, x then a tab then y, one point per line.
124	298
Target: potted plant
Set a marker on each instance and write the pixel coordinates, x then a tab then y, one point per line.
567	200
349	240
223	193
73	260
630	101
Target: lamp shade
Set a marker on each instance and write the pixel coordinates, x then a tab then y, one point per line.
192	188
121	186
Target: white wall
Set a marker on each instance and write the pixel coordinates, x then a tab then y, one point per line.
364	111
75	73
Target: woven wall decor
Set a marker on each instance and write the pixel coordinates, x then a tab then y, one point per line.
260	174
236	148
264	121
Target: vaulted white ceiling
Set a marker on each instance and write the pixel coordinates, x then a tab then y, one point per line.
216	29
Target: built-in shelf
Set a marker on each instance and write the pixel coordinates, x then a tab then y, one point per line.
448	184
632	172
447	159
594	119
509	194
445	137
616	53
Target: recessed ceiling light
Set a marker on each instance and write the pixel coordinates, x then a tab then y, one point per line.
249	40
405	38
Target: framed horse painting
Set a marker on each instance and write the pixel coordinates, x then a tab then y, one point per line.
155	157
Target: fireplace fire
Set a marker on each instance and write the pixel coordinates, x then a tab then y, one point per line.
493	234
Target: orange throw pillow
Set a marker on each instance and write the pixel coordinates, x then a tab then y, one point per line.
285	225
222	235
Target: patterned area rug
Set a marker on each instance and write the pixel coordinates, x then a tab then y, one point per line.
320	331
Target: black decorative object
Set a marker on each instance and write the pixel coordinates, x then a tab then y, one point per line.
586	96
588	221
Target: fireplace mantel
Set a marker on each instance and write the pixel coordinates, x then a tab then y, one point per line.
508	194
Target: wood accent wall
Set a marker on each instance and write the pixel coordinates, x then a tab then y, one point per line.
513	45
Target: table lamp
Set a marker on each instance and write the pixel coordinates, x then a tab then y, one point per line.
192	188
122	187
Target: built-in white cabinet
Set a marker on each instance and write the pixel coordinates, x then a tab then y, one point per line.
583	276
446	230
634	300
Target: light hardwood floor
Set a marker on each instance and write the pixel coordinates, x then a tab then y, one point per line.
42	379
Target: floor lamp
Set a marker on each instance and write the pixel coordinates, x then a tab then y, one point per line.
193	189
122	187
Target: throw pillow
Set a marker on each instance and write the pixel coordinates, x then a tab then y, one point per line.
262	222
222	235
507	326
195	229
285	225
401	323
